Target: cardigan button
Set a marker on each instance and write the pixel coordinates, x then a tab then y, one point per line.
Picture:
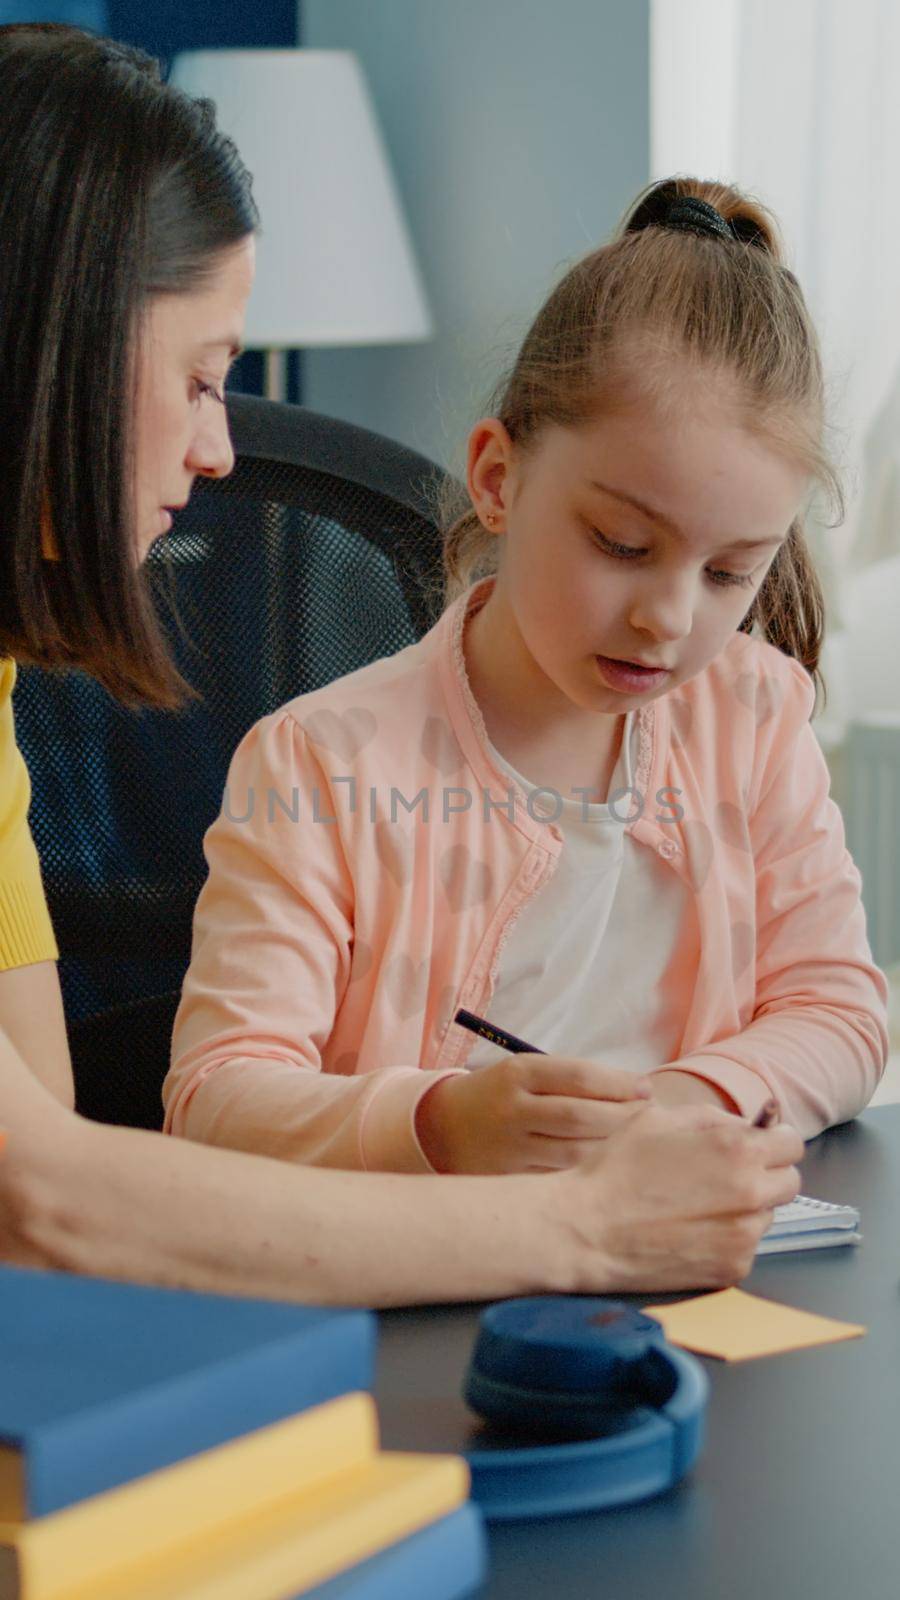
668	848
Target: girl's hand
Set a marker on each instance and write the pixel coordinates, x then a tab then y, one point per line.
678	1200
671	1087
528	1113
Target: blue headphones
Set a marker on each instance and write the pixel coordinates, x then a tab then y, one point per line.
587	1406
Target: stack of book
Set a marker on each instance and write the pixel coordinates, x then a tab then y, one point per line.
162	1445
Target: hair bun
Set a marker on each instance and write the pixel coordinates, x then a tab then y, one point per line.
697	216
695	206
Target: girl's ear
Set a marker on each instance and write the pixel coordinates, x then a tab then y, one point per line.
488	472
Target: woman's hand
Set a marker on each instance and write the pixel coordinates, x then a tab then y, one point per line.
679	1199
528	1113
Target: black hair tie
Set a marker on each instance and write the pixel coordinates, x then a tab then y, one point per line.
690	215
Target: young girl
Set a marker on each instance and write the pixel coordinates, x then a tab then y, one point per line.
589	803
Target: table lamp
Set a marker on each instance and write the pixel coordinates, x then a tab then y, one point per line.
335	265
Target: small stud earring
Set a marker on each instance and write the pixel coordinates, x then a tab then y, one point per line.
490	518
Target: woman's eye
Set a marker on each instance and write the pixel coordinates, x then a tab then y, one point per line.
629	552
208	389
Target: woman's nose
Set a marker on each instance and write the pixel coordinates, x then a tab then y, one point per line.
211	453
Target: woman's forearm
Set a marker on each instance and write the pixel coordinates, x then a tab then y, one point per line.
123	1203
32	1023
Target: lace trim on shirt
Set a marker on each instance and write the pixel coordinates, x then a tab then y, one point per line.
646	723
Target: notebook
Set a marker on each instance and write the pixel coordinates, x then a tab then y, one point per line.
103	1382
297	1542
808	1224
445	1561
202	1498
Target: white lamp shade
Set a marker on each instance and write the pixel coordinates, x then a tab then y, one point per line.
334	261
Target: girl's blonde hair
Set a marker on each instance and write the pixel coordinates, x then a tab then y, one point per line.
614	326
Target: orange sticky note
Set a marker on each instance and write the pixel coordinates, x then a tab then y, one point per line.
737	1326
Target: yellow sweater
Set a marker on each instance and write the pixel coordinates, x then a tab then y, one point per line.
26	934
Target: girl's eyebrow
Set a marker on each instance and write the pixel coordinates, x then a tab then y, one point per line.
666	522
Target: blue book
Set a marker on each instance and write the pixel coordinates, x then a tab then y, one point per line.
442	1562
103	1382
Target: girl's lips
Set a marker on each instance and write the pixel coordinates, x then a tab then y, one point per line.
625	675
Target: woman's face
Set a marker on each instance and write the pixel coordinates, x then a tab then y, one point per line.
187	344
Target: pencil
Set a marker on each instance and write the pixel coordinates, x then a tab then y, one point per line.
499	1036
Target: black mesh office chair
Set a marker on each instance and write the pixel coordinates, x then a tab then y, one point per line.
317	555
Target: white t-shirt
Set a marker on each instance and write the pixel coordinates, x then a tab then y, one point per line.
590	966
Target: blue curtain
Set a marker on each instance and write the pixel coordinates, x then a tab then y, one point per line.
92	14
166	26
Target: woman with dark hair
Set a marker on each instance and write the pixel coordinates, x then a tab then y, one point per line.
127	223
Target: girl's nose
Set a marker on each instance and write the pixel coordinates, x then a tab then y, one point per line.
664	609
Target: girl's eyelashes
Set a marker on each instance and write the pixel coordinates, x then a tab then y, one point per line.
627	552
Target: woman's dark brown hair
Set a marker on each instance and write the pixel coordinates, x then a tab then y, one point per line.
619	323
114	187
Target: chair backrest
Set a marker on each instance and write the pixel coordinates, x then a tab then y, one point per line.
317	555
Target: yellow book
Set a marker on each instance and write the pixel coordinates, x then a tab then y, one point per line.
192	1500
285	1548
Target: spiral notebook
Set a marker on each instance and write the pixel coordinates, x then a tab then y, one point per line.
808	1224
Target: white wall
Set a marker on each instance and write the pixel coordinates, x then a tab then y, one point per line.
518	131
